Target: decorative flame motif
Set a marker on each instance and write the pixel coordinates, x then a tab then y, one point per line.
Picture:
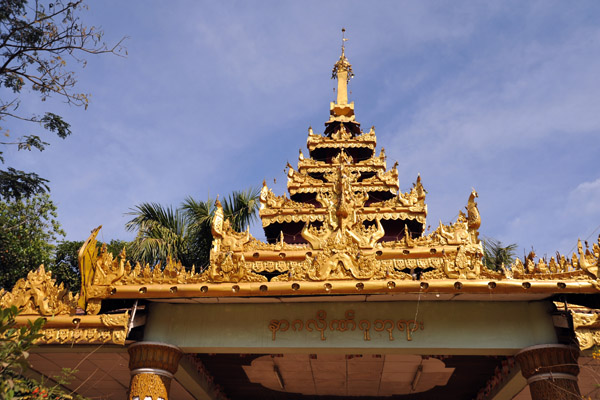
586	322
38	295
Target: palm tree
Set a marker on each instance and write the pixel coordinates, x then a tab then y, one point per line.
161	233
495	254
184	234
199	215
241	207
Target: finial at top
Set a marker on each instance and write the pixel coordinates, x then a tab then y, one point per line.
342	71
342	65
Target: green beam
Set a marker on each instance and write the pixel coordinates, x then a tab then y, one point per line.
460	328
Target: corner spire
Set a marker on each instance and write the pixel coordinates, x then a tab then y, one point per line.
342	71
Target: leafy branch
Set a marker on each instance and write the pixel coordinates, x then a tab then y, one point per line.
38	41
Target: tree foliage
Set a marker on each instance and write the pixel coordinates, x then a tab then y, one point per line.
38	42
15	343
28	229
184	234
65	268
496	255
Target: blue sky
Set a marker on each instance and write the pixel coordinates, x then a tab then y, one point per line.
217	96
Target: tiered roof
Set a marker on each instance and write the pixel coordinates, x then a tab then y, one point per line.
344	229
343	155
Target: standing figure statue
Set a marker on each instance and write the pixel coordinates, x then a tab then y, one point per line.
473	217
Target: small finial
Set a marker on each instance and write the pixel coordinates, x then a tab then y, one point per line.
342	71
342	65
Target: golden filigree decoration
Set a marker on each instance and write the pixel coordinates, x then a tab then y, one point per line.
114	319
80	329
583	265
337	251
388	178
272	216
414	199
111	328
586	322
342	225
326	187
269	201
82	336
38	295
373	164
227	267
366	140
148	386
299	178
353	167
371	214
342	65
343	249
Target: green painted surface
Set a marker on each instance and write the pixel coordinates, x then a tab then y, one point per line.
448	327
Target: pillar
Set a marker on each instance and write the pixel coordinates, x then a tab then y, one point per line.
551	371
152	367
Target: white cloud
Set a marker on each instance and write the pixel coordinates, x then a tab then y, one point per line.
584	200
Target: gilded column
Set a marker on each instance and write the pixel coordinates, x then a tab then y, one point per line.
551	371
152	367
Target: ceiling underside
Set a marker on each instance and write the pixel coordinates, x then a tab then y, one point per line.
104	374
228	370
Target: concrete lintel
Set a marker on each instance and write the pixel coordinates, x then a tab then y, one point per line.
449	328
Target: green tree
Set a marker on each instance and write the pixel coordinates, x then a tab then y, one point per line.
15	343
184	234
37	42
65	266
495	254
28	229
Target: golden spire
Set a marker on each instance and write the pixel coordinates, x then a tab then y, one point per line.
342	71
